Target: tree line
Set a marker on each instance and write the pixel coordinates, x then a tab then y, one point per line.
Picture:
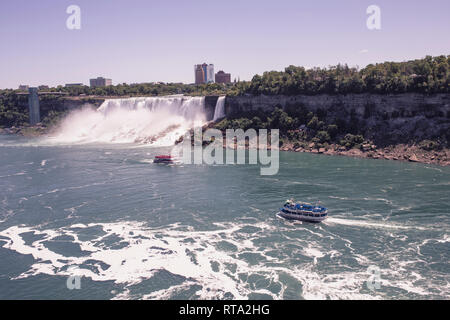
428	75
146	89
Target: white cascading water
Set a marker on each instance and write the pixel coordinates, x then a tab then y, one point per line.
219	112
158	121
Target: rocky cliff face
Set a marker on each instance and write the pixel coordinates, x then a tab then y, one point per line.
386	119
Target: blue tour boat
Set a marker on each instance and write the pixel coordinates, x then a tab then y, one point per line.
303	212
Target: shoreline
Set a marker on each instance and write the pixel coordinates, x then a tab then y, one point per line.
399	152
26	131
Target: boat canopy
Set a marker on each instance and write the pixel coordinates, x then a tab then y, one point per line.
304	207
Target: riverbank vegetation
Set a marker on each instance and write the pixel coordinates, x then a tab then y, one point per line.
300	128
13	109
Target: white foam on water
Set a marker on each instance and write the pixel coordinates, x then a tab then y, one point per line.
150	250
190	253
314	252
14	174
145	254
369	224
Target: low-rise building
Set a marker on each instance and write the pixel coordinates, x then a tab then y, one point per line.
69	85
100	82
23	87
222	77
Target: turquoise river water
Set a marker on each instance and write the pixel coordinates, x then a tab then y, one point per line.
131	229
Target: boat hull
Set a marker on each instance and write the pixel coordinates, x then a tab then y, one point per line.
163	161
301	217
166	159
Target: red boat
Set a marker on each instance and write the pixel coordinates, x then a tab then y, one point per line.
164	159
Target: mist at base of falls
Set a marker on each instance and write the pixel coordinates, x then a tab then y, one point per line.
157	121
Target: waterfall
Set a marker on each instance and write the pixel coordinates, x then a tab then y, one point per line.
158	121
219	112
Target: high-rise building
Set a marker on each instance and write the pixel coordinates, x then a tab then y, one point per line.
222	77
204	73
210	73
199	74
100	82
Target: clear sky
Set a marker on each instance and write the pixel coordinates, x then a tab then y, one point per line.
160	40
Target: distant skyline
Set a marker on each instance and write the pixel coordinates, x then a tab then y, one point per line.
139	41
